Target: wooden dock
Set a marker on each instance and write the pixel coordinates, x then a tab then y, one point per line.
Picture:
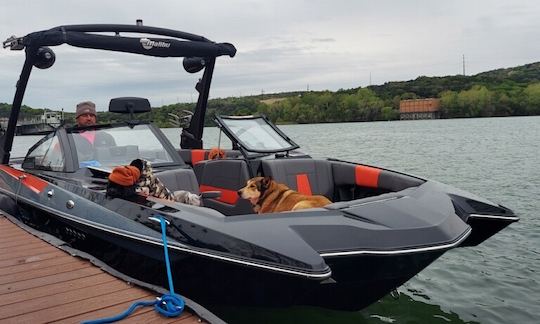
40	283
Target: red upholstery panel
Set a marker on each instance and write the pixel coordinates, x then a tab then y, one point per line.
367	176
302	183
197	156
227	196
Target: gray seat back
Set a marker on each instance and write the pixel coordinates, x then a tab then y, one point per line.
226	176
194	156
307	176
179	179
352	174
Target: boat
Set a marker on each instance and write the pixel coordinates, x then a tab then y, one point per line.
43	125
382	228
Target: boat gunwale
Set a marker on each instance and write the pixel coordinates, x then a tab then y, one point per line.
321	275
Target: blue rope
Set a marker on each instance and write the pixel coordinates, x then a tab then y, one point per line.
166	253
169	305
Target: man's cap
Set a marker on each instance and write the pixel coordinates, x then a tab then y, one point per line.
85	107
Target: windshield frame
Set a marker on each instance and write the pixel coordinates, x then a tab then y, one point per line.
222	123
70	151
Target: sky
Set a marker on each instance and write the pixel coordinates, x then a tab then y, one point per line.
289	45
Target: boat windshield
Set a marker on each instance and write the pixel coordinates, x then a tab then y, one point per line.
111	147
256	134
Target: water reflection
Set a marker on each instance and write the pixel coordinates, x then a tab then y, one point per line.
404	309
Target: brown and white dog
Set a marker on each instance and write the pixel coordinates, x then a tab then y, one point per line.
268	196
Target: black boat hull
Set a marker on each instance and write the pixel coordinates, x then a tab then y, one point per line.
485	226
358	277
356	282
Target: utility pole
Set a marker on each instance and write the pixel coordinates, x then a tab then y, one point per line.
463	64
370	78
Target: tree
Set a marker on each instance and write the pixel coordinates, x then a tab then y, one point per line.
449	105
476	102
368	105
389	113
532	99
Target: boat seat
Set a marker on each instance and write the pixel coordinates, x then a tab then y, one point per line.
194	156
197	157
307	176
179	179
370	180
226	176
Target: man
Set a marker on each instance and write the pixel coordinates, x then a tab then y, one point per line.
85	115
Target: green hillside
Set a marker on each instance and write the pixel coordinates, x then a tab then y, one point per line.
501	92
425	87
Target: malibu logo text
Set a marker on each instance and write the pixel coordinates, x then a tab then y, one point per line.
148	43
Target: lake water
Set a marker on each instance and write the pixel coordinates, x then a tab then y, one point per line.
496	158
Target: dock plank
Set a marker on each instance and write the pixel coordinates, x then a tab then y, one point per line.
107	312
18	246
31	257
62	298
70	309
22	267
9	238
11	243
149	318
46	271
53	289
40	283
17	254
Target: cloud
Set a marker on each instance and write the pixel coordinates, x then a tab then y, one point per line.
282	45
323	40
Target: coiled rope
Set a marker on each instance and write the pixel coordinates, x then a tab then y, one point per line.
169	305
